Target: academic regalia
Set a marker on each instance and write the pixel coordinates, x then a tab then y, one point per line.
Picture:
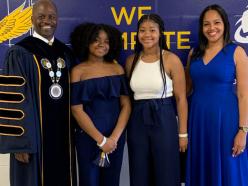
32	118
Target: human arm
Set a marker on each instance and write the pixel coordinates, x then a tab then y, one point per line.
241	61
187	75
85	122
122	119
19	77
128	65
125	108
179	87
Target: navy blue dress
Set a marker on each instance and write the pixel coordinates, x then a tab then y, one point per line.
100	97
213	124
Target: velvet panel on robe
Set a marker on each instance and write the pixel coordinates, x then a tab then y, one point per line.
33	122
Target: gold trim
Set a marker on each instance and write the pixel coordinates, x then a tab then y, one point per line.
41	124
17	110
70	145
13	85
4	101
12	126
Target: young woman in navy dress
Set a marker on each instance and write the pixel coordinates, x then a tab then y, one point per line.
218	119
100	103
154	136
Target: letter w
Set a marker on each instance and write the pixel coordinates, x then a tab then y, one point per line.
123	12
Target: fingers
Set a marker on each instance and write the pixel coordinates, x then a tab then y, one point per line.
239	144
110	152
237	150
183	144
114	147
110	146
183	149
22	157
114	140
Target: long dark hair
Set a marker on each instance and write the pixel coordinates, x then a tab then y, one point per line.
200	50
162	44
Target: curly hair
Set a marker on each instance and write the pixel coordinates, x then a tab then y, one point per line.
86	33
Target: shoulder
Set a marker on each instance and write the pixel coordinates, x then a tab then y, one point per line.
118	68
77	71
129	61
79	67
18	51
63	46
172	63
58	42
18	57
22	46
191	52
189	58
17	48
239	50
240	54
130	58
171	58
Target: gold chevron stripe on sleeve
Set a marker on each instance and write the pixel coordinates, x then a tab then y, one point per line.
11	130
11	97
17	81
11	114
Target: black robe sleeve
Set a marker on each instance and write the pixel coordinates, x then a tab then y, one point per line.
19	103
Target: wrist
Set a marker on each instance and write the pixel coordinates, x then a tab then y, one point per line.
104	140
243	129
114	137
183	135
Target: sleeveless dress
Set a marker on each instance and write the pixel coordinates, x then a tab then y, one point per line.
213	124
152	132
100	97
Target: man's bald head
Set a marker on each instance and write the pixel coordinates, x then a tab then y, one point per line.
44	3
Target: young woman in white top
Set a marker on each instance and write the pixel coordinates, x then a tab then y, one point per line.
154	138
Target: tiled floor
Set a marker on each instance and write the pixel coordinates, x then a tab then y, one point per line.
4	170
124	172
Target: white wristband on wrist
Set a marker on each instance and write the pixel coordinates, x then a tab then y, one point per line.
103	142
185	135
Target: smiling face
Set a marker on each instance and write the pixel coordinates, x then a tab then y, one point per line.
213	27
100	46
44	19
149	34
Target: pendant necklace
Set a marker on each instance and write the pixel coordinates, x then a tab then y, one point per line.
55	90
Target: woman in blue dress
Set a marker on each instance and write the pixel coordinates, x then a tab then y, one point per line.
218	119
100	104
153	135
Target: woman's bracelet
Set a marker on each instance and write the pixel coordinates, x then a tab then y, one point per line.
184	135
103	142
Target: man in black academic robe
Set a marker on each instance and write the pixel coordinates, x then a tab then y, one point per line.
35	106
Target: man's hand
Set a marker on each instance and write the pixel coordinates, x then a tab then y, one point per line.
22	157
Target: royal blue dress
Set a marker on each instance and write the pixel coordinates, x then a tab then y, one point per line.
213	124
100	98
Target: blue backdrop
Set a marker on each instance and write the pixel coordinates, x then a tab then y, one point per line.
180	17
